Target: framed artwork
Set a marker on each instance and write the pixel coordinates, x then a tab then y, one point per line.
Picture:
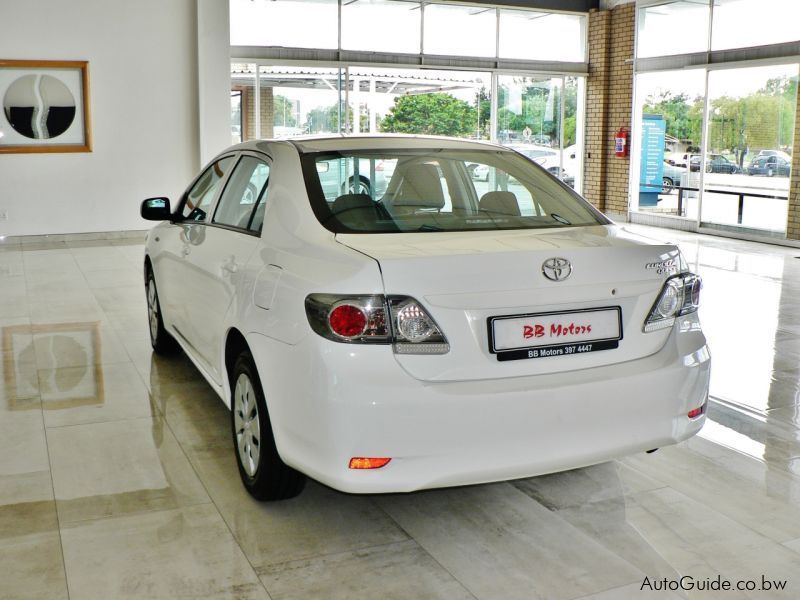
44	106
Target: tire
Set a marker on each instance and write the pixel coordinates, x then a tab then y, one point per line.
667	185
162	342
362	188
264	475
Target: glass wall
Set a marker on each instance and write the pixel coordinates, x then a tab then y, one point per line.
474	25
243	102
745	23
410	27
750	128
713	138
288	23
542	36
381	26
538	116
669	114
673	27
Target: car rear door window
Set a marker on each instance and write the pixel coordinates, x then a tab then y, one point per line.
243	202
201	197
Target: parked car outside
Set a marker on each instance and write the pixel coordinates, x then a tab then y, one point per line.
549	158
715	163
671	177
435	336
770	165
784	155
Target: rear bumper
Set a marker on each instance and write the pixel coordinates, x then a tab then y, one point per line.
329	402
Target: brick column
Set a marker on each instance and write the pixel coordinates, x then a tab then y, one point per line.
793	212
267	113
609	100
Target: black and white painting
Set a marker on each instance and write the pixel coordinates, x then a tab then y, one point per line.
43	106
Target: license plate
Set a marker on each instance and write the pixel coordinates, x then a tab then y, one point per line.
543	335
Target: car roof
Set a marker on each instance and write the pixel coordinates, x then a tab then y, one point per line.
349	142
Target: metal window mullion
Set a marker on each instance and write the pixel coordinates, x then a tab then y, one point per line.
561	127
257	100
345	127
493	108
422	31
497	35
703	149
710	27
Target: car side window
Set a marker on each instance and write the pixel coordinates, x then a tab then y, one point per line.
243	202
201	196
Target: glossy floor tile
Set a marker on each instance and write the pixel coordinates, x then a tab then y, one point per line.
118	479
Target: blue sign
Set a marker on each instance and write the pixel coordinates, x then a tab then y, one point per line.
651	175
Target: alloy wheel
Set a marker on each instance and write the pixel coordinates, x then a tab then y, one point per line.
152	309
246	424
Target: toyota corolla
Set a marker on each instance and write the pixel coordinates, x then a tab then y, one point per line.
434	330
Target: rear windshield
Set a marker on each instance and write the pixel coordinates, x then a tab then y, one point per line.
438	190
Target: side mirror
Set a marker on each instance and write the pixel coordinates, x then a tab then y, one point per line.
156	209
322	167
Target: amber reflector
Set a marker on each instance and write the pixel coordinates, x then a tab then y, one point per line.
361	462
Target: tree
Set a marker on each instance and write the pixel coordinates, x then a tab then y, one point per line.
531	103
433	114
683	115
284	112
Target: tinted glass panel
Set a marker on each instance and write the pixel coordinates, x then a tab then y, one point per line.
676	27
744	23
201	196
381	26
293	23
245	191
532	35
476	27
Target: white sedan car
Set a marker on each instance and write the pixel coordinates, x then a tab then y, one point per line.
441	334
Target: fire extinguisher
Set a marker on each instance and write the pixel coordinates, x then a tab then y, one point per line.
621	142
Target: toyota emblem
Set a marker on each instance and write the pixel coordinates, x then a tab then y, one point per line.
556	269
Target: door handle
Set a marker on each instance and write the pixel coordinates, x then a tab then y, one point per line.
230	266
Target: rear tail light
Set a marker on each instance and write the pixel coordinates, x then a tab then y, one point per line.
415	332
348	320
679	296
363	319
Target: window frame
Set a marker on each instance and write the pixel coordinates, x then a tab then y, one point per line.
178	213
267	160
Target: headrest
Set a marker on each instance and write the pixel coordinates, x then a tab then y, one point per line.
420	188
352	201
499	203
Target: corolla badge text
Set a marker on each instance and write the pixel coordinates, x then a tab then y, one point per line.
661	267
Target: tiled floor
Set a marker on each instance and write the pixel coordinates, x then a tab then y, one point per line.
118	480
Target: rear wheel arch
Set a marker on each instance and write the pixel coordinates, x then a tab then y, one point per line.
235	344
264	474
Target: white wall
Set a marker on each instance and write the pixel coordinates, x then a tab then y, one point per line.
144	112
214	76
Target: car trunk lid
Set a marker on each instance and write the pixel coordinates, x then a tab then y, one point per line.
482	288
